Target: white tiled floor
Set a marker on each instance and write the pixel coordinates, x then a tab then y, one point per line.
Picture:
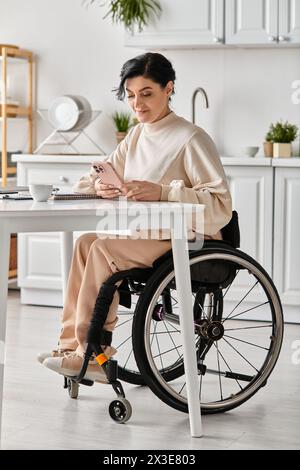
38	413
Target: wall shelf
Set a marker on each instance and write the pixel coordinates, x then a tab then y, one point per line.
12	111
8	110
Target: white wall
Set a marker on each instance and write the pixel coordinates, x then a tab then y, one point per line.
78	52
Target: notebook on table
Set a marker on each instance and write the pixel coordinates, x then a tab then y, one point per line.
71	196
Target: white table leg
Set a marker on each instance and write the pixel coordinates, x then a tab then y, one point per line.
183	286
66	239
4	266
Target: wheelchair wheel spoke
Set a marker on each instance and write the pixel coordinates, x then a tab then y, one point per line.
246	342
154	333
202	307
123	342
164	332
240	354
160	355
246	311
219	372
123	323
176	329
128	357
222	356
166	352
228	288
250	327
170	336
229	316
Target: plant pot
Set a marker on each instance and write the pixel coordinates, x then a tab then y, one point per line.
282	150
120	136
268	149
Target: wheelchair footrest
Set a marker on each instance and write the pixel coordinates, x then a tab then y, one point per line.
87	382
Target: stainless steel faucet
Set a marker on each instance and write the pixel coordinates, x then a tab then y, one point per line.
205	99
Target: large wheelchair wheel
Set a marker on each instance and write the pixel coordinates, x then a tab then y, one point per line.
238	335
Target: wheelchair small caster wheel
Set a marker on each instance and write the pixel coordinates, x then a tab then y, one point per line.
120	410
73	388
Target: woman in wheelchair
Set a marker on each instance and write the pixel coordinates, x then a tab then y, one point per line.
163	158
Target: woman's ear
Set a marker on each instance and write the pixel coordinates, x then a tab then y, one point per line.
169	87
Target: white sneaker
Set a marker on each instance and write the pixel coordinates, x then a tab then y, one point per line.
55	353
108	350
70	364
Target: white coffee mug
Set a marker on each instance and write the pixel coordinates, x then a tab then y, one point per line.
40	192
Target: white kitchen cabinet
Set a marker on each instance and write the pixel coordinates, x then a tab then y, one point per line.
183	24
202	23
251	187
263	22
39	256
289	22
286	237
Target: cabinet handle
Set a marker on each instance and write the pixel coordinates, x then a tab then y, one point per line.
272	38
283	39
218	40
63	179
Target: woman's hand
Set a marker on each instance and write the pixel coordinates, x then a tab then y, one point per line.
107	191
141	190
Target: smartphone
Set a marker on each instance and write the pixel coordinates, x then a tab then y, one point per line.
107	174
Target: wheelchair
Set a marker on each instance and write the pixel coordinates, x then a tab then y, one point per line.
238	325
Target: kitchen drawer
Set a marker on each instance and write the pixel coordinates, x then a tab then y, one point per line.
58	176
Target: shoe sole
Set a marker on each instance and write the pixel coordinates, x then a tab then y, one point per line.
93	376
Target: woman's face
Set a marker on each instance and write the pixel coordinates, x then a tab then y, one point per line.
148	99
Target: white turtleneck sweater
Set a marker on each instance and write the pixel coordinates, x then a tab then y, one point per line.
182	158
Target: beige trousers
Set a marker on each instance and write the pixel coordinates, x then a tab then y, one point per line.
94	260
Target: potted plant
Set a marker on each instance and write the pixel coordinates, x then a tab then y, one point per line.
282	134
131	12
123	123
268	145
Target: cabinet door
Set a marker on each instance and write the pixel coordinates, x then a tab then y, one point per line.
289	22
252	193
251	22
183	24
286	235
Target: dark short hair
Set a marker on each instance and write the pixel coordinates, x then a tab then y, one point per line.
150	65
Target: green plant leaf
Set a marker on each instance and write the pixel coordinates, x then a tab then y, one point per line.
122	121
282	132
131	13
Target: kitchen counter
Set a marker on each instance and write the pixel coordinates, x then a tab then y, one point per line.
246	161
29	158
286	162
226	161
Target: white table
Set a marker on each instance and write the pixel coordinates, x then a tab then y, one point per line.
96	215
